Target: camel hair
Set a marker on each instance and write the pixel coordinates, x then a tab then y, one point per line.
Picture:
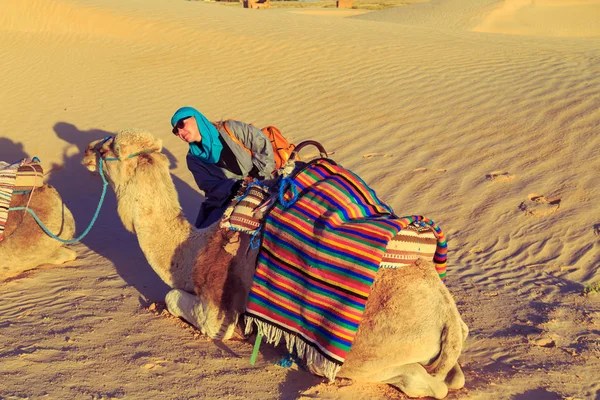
411	334
25	245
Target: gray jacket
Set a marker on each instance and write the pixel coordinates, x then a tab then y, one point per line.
217	182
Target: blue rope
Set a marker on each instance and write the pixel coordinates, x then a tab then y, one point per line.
282	187
286	361
254	243
41	224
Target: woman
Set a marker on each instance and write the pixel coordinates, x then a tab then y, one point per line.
219	163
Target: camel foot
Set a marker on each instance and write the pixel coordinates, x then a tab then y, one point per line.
455	379
186	306
209	320
414	381
62	255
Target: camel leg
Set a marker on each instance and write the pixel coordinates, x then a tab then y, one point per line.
414	381
207	319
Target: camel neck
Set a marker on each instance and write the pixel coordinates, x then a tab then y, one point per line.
165	242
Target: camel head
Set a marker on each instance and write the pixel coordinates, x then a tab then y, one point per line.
133	164
122	154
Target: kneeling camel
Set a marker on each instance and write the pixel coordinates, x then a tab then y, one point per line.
411	334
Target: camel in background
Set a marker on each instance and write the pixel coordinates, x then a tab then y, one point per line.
411	334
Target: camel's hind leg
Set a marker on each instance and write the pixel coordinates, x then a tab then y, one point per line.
414	381
209	320
455	378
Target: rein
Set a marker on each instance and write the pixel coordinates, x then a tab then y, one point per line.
93	221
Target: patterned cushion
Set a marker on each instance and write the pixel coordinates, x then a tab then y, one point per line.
8	173
408	245
246	211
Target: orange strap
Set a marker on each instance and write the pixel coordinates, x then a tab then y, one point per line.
235	139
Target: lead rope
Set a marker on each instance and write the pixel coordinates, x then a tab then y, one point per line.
70	241
34	182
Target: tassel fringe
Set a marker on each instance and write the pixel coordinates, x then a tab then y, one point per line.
315	361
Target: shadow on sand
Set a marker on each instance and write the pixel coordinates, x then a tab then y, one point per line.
10	151
81	192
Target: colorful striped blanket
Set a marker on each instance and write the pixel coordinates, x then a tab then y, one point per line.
322	247
8	177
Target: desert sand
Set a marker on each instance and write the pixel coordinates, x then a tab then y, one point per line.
483	115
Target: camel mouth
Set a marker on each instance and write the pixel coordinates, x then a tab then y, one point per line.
90	156
90	161
91	166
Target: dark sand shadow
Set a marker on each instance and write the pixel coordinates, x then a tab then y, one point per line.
11	152
81	192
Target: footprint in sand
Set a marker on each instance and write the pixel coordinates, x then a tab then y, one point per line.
539	205
425	169
371	155
597	229
499	176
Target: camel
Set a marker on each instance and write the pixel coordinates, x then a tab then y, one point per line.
411	334
25	245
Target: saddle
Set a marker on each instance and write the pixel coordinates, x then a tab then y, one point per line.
250	206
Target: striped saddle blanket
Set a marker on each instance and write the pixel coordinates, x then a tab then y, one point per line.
323	244
16	176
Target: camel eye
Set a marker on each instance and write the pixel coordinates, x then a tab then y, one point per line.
107	147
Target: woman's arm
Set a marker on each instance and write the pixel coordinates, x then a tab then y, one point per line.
255	140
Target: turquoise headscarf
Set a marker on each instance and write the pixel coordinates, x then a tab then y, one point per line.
209	148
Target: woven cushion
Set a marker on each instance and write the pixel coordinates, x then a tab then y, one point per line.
246	212
408	245
29	175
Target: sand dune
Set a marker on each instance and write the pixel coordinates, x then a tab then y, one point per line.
578	18
493	136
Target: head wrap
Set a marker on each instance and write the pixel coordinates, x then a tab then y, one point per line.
209	148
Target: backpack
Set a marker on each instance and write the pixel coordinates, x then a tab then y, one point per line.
282	149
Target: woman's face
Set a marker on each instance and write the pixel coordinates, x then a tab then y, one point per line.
187	130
